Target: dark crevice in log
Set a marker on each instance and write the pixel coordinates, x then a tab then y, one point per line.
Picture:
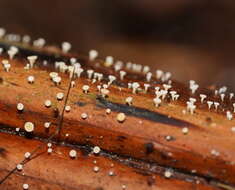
143	113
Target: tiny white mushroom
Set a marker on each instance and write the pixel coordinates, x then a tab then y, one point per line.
216	104
193	100
53	75
5	61
60	96
159	74
96	150
173	93
93	54
166	86
67	108
163	93
122	74
31	79
49	150
121	117
104	92
135	86
209	103
231	95
73	84
73	153
148	76
40	42
57	80
66	46
111	79
49	145
11	53
168	174
7	67
90	73
129	100
19	167
96	169
229	115
84	115
111	173
215	152
185	130
202	96
85	88
157	101
27	155
32	59
47	124
108	61
48	103
78	72
2	32
222	97
29	127
233	129
108	111
25	186
146	87
20	107
146	69
26	39
194	87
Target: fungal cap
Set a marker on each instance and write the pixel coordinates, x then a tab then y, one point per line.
29	127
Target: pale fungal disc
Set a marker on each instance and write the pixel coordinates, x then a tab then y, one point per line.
84	115
29	127
121	117
60	96
67	108
233	129
57	80
48	103
96	150
19	167
49	150
31	79
47	125
168	174
73	153
27	155
96	169
49	145
111	173
108	111
185	130
85	88
20	107
25	186
53	75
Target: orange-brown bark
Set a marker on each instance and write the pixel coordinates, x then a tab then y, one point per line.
142	135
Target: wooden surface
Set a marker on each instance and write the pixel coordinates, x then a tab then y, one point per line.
142	136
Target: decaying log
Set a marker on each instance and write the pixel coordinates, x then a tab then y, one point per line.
195	151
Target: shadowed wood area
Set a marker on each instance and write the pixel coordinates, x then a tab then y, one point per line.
153	147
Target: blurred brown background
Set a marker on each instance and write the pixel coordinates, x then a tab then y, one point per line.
193	39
